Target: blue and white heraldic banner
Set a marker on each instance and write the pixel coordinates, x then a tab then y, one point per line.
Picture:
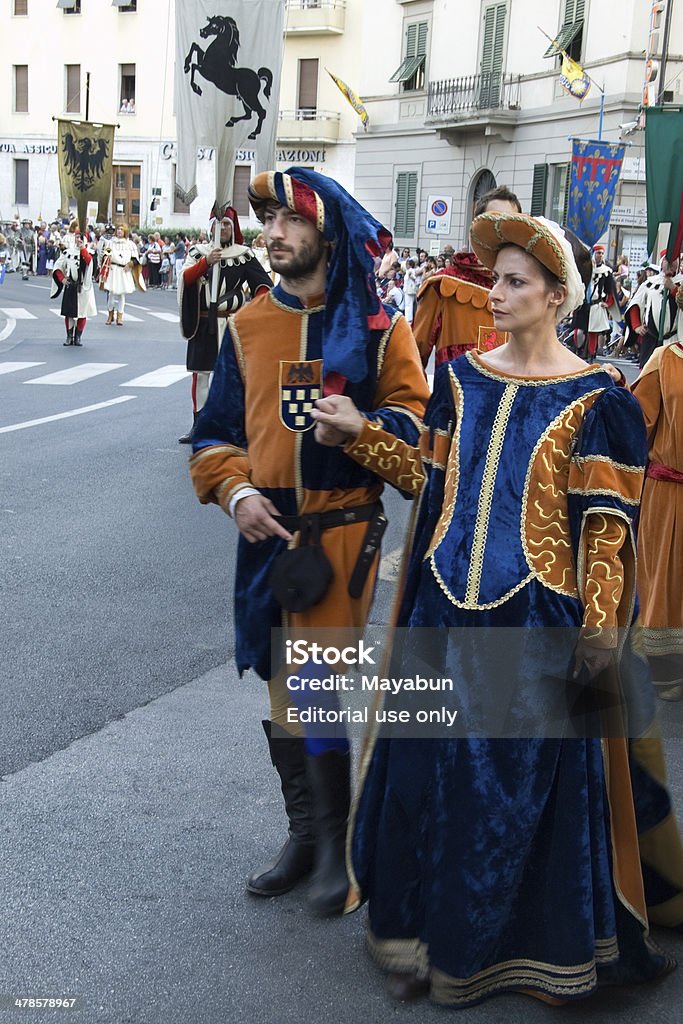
227	86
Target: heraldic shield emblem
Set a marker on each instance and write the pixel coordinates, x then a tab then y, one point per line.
300	386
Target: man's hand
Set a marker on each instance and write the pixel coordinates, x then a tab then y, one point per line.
254	519
642	329
337	420
213	256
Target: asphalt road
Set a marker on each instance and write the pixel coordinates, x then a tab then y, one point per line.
135	788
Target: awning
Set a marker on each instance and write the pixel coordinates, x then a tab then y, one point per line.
565	38
407	69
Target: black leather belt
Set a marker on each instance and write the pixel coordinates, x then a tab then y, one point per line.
313	523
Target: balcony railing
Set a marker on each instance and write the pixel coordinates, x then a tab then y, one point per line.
308	17
488	91
308	125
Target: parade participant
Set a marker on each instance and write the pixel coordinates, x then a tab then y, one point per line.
453	313
319	345
120	272
659	389
652	312
238	268
72	272
600	296
506	858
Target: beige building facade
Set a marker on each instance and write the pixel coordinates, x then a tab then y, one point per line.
125	51
465	94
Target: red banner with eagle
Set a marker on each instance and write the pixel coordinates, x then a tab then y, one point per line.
85	152
227	87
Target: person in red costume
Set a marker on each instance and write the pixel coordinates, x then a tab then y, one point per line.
73	274
453	314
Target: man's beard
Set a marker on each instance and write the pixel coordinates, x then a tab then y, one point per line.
301	266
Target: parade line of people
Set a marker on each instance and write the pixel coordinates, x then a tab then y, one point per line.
531	851
533	858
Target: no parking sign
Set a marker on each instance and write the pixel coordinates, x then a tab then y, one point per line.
439	215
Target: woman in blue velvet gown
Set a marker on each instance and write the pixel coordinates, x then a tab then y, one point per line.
492	863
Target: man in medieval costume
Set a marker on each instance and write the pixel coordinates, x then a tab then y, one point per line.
601	295
72	277
202	324
652	313
319	345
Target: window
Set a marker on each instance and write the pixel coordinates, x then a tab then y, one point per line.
125	6
307	101
406	204
70	6
73	88
411	72
570	36
559	193
21	88
20	8
539	190
492	53
127	96
21	182
240	185
178	205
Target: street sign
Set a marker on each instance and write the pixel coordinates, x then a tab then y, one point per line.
439	215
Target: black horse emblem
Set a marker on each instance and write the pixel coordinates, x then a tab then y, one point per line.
84	160
217	64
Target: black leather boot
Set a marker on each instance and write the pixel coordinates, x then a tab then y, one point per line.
77	337
187	438
330	777
295	860
69	335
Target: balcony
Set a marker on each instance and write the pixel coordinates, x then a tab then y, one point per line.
487	104
306	125
315	17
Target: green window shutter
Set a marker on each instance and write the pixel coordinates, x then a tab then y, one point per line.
411	41
406	204
574	10
539	189
493	38
421	44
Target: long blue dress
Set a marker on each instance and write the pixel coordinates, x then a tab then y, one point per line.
495	864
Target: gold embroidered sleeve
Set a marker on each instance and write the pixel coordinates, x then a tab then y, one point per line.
389	456
603	538
218	472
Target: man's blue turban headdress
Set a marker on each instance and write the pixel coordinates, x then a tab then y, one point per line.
352	307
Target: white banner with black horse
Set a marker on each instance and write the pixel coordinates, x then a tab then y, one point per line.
227	88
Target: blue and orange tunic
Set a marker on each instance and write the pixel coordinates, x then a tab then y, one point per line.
256	430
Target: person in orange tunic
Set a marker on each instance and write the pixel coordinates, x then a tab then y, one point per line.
453	310
319	346
659	389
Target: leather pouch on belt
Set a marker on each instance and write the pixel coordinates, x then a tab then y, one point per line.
300	577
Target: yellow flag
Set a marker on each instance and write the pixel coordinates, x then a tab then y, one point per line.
352	97
574	79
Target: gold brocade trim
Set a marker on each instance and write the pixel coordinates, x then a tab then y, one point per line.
299	438
384	341
237	345
551	512
453	467
606	493
225	499
405	956
579	459
215	449
488	483
289	190
291	309
660	642
529	382
391	455
603	555
415	420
